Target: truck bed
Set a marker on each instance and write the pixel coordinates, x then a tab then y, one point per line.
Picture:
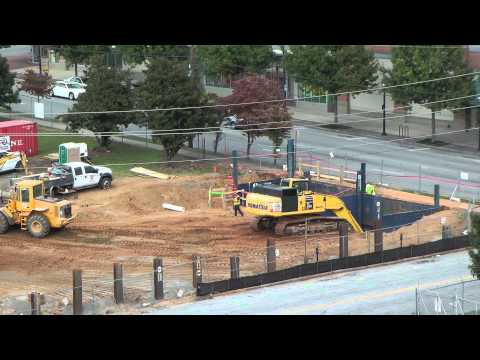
50	181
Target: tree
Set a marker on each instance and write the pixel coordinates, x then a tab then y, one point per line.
475	242
256	120
413	64
7	81
230	60
39	85
77	54
108	90
138	54
167	85
333	68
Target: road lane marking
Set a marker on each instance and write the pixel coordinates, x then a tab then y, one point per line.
389	172
356	138
369	296
422	149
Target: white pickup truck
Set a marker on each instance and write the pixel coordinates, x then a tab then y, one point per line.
63	178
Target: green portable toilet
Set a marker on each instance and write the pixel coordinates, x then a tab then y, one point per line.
69	152
62	154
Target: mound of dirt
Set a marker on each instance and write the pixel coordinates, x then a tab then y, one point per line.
136	197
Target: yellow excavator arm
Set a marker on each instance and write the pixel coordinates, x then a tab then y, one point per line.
24	160
345	214
338	207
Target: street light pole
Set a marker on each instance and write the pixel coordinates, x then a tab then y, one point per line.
40	59
384	111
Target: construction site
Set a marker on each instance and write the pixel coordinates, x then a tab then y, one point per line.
172	216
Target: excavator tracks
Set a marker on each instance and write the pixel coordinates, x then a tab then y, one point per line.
296	225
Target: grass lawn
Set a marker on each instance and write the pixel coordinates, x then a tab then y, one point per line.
120	154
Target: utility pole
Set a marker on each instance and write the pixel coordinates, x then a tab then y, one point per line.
40	59
194	70
384	111
285	82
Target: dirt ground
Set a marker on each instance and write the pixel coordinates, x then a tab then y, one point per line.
128	224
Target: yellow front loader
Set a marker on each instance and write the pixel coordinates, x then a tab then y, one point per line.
288	207
29	207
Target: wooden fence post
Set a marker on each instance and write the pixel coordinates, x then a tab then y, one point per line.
197	271
158	278
234	267
118	283
271	255
77	292
378	239
35	303
343	239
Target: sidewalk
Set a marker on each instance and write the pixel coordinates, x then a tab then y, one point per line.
420	128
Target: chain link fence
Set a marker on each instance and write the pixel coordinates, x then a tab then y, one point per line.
461	298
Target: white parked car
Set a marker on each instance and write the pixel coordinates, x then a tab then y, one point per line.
67	90
75	80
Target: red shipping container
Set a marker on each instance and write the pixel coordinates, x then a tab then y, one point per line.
19	135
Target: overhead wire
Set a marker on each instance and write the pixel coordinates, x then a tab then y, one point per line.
252	102
293	120
170	132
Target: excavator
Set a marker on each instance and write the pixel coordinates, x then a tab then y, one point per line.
10	161
287	207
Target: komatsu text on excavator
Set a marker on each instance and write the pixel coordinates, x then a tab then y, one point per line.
286	207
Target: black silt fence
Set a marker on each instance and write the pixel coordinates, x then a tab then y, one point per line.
350	262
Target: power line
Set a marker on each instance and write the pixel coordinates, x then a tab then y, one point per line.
416	137
296	120
253	102
223	158
171	132
270	155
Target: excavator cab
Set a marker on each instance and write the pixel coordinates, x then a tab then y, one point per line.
300	184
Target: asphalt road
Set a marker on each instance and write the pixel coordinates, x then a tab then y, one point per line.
396	164
383	290
16	50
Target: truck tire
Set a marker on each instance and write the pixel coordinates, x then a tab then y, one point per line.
38	225
4	225
105	183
